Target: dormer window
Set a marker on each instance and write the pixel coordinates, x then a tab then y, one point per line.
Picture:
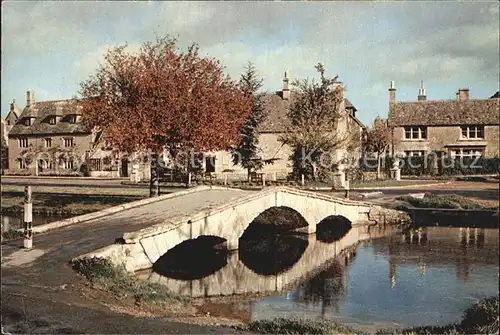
8	122
52	120
71	118
27	121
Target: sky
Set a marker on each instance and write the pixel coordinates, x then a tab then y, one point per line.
50	47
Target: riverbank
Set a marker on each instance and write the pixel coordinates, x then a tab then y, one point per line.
481	318
68	200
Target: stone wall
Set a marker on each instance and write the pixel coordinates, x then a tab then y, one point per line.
440	136
82	143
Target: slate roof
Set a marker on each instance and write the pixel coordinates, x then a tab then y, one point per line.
39	113
445	112
276	120
496	95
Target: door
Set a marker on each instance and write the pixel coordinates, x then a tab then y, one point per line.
124	168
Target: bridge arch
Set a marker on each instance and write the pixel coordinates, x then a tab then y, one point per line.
229	221
333	228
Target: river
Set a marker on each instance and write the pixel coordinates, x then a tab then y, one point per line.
396	279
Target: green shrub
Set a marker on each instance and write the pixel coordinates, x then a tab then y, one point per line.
102	272
12	234
482	317
297	326
451	201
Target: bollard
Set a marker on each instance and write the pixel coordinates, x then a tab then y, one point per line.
225	180
189	179
28	218
263	180
347	189
302	179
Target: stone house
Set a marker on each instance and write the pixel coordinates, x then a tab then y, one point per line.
9	120
49	138
461	127
277	105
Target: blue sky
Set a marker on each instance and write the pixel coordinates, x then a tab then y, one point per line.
51	46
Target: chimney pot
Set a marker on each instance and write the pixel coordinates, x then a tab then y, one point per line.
285	93
392	92
463	94
30	98
421	92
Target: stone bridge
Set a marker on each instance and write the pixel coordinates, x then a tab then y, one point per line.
142	248
237	278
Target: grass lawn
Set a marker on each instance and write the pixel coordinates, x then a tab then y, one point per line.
77	200
451	201
389	183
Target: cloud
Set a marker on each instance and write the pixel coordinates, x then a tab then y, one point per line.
368	44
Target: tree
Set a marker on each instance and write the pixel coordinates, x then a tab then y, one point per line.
377	140
162	98
4	154
245	153
313	133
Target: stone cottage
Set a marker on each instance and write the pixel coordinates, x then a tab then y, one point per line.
49	138
460	127
277	105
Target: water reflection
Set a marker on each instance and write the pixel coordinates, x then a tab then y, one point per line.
418	277
266	264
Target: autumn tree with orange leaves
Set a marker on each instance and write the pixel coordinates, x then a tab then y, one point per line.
163	98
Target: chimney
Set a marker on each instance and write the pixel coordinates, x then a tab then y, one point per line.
392	93
30	98
421	92
458	96
286	87
463	94
13	105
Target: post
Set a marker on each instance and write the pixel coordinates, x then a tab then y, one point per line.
154	184
347	189
225	179
189	178
302	179
28	218
263	180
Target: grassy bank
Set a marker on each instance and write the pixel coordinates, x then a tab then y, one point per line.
481	318
451	201
59	200
103	275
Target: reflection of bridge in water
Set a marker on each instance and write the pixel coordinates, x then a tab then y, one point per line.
237	278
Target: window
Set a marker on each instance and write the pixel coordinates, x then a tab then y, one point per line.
225	159
415	133
23	143
48	142
95	164
27	122
8	122
52	120
414	153
472	132
68	142
466	153
45	164
68	164
22	164
71	118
